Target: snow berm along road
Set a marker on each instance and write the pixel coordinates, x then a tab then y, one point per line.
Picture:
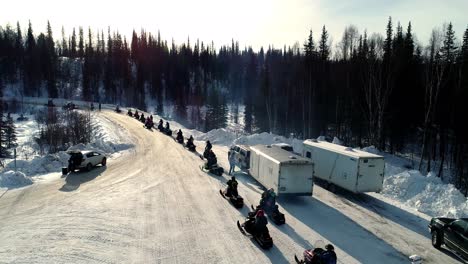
153	205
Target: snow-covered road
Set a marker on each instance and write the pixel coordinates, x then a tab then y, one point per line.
154	205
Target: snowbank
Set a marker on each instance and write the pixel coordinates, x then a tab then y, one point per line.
11	179
427	194
106	138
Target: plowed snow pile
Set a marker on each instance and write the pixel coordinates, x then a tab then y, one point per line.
14	179
427	194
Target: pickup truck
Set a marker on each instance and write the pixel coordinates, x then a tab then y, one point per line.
453	233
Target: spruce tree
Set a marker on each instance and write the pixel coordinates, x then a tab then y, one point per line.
81	43
449	49
324	49
73	44
388	40
10	132
64	44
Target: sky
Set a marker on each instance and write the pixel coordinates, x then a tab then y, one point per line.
253	23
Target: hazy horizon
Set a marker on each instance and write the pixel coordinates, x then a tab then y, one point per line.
256	24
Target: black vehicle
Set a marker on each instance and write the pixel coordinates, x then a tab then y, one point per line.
129	112
453	233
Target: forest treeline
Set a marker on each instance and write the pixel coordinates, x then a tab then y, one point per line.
385	90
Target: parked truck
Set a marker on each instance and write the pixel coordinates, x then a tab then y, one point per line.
351	169
285	172
451	232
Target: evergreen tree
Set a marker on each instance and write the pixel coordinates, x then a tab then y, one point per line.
388	41
64	52
324	49
3	147
81	43
73	45
449	49
10	132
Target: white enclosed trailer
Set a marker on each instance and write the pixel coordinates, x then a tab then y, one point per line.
353	170
285	172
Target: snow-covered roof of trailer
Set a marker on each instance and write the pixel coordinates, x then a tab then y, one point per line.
279	155
341	149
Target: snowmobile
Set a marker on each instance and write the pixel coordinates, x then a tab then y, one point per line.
190	145
136	115
117	109
168	132
211	164
248	227
160	127
149	124
318	254
273	213
129	112
142	118
215	169
236	200
180	140
311	256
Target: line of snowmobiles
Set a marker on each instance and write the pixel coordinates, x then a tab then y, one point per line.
254	225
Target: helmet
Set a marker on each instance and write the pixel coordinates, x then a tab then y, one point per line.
207	142
233	178
329	247
260	213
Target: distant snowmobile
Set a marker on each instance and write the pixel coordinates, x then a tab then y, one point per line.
129	112
180	137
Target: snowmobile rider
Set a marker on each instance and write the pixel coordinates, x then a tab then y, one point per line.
129	112
208	146
268	200
142	117
179	137
160	124
232	187
260	222
211	157
190	141
167	127
136	114
329	256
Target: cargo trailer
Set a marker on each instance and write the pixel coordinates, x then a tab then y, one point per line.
354	170
285	172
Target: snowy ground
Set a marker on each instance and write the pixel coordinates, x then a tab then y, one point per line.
152	205
31	166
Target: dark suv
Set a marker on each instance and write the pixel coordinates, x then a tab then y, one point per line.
453	233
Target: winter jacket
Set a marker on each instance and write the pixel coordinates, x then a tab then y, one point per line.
232	158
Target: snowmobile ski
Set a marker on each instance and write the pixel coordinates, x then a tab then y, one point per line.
241	229
297	260
222	194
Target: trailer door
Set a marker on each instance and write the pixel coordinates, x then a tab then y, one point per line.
370	174
296	179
